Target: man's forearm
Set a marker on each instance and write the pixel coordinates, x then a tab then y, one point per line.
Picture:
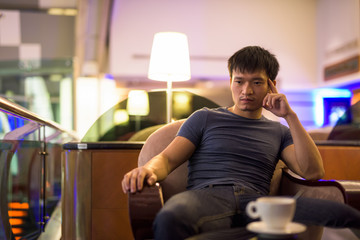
307	154
160	166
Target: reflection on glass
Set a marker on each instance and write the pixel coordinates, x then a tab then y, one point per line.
30	175
4	125
138	106
20	186
117	125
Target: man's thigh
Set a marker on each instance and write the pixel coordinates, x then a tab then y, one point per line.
203	209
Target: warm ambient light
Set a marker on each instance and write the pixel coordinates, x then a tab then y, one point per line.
62	11
121	117
14	213
16	231
138	103
18	205
169	57
170	62
16	221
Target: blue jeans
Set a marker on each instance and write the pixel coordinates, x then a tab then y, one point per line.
223	207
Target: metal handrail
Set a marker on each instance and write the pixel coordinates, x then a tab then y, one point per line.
21	112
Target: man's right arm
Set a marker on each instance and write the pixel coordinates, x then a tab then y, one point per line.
160	166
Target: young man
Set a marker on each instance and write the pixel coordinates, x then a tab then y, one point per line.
232	154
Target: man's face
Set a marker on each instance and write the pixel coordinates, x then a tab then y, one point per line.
248	91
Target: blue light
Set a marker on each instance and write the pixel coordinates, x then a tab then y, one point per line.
109	76
320	94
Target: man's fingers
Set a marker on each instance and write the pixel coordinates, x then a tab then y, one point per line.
129	182
271	100
275	100
126	182
140	179
151	180
124	185
265	101
272	86
134	180
268	101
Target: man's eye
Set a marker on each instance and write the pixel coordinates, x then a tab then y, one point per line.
258	83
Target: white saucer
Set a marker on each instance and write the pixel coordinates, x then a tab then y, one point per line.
290	229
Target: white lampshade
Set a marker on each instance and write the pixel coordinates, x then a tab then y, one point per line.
170	59
138	103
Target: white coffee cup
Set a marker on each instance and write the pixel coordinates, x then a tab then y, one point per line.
275	212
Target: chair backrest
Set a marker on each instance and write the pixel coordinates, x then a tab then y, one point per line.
176	181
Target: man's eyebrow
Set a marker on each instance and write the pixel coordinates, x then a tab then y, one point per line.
258	79
251	79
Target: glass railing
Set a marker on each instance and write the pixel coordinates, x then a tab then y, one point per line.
30	170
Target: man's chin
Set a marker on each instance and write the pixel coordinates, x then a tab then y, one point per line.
249	109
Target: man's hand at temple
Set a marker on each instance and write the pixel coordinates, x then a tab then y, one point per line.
276	102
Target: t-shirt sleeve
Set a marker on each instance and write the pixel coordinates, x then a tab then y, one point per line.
193	127
287	139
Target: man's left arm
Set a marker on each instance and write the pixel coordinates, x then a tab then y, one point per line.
302	157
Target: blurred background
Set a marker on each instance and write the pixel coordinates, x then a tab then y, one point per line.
72	60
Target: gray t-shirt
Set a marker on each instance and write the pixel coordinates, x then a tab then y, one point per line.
231	149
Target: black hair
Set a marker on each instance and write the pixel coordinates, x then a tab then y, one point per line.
252	59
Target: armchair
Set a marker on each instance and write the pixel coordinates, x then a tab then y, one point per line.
144	205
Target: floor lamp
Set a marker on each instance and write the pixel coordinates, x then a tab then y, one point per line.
169	62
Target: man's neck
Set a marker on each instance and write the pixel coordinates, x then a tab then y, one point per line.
246	114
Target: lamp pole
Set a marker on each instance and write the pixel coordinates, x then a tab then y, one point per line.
169	101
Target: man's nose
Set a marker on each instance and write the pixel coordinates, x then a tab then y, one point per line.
247	89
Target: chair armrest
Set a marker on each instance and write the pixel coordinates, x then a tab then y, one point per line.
292	183
344	191
352	192
143	207
337	190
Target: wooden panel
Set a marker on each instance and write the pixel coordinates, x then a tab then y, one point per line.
341	162
111	224
108	169
109	204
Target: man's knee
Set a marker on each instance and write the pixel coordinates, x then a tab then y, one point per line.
171	225
166	217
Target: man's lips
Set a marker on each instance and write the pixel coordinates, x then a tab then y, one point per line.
246	99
